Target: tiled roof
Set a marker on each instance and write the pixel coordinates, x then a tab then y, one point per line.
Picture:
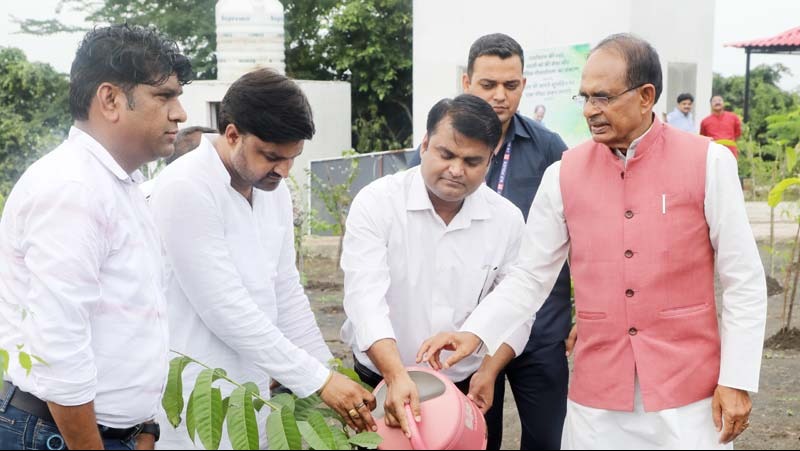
789	38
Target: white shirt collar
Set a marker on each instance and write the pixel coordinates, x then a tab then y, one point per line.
475	206
103	156
625	157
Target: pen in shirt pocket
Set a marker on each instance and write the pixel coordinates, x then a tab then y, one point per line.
489	270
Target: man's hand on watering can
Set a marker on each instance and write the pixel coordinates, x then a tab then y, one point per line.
481	387
351	401
401	390
463	344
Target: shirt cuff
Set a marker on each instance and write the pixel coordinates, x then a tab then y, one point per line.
492	340
520	338
315	382
370	332
740	360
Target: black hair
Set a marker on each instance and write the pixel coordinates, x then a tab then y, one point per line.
269	106
185	142
496	44
126	56
642	60
471	116
685	96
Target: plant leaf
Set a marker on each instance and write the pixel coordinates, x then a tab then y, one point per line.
776	194
282	430
208	409
4	361
791	158
284	400
172	402
301	406
241	419
191	424
25	362
340	439
369	440
253	388
321	430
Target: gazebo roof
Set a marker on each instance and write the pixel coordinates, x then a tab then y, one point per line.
786	42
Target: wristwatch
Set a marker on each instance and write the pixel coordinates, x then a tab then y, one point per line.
151	428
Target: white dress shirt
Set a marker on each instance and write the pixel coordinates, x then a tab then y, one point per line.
408	275
81	257
234	294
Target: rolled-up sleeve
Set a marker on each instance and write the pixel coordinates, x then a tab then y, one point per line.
741	273
366	271
63	247
193	232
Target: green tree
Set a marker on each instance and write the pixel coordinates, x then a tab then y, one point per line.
364	42
766	98
191	23
369	44
34	102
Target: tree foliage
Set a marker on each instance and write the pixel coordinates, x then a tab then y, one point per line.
34	102
364	42
188	22
766	98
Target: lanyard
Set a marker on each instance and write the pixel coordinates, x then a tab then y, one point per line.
501	182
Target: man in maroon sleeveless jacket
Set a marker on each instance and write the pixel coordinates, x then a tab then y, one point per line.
644	211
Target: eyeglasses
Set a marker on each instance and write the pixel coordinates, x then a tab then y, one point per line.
600	102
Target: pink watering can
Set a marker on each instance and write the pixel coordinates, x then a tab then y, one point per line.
449	419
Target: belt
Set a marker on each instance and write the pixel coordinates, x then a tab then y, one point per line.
34	406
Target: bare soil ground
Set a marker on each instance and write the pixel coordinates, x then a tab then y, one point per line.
775	421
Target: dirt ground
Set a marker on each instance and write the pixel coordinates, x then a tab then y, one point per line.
775	421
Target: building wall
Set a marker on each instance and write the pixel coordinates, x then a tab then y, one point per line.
681	31
330	103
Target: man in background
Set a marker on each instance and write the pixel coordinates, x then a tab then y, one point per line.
681	117
721	124
538	114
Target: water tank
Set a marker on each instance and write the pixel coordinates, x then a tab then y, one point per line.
250	35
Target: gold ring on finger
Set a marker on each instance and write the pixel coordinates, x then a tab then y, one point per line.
353	413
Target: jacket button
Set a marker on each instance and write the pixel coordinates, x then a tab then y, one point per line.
632	331
629	254
629	293
629	214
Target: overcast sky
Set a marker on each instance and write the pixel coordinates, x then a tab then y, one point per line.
736	20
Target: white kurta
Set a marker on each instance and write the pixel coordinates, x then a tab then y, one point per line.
544	251
235	299
408	275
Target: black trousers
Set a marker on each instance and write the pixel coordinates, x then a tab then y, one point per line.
372	379
539	379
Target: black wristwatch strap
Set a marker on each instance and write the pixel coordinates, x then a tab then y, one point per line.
151	428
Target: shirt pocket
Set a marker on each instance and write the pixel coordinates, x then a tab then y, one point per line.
475	284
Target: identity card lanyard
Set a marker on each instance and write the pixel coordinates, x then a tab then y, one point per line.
501	182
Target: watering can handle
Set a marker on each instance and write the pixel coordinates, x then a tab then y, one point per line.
416	438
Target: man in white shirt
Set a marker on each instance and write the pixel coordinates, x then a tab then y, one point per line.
81	271
422	248
647	213
225	216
